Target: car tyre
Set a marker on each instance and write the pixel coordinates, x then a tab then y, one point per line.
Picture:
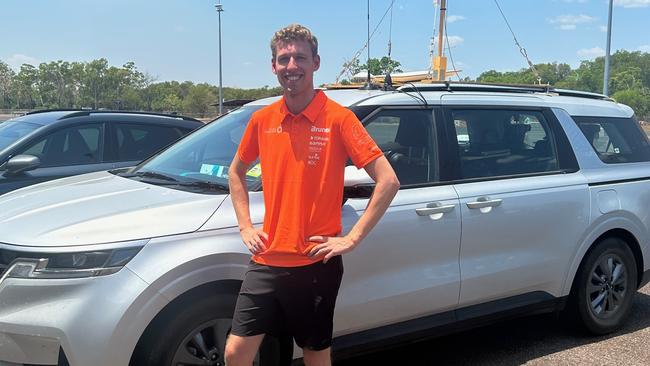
196	335
604	287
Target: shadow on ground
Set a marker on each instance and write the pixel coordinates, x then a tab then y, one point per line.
513	342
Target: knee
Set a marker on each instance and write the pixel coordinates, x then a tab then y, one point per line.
233	354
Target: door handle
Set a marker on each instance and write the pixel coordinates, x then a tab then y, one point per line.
434	208
483	202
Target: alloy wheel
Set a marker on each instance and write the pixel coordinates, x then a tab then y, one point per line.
607	286
205	345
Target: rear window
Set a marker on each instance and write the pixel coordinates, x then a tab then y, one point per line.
616	140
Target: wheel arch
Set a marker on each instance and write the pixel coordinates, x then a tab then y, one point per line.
220	287
624	233
177	284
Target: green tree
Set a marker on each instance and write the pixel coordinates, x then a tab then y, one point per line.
7	76
26	87
637	99
93	83
199	100
377	66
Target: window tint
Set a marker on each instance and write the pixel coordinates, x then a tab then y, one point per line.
68	146
11	131
137	142
615	140
405	136
503	142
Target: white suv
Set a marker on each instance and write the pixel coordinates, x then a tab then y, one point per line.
513	200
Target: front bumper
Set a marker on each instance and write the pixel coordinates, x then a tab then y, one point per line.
84	317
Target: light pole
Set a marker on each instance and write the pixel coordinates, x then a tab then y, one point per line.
219	8
609	41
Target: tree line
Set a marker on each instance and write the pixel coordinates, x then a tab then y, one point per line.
96	84
629	77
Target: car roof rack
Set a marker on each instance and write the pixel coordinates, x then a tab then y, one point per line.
53	110
451	86
79	113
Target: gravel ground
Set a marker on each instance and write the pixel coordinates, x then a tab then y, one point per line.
537	340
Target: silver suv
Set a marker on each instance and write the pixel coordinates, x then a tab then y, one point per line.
513	200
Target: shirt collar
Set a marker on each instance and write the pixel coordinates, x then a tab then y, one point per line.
312	110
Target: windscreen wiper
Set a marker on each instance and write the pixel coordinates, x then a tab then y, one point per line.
150	174
206	185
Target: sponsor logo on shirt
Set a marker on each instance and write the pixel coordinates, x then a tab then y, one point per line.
317	141
320	129
273	130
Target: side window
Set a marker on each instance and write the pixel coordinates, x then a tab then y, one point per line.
139	141
503	142
68	146
406	138
615	140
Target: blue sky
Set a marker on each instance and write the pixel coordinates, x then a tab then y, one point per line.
177	39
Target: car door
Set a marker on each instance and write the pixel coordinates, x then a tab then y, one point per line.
524	204
407	267
62	152
133	142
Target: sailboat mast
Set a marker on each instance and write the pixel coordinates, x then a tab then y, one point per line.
441	28
440	61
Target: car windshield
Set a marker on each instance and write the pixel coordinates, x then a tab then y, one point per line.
13	131
201	160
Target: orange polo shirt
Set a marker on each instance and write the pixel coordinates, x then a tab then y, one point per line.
302	159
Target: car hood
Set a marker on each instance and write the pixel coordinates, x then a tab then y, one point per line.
99	208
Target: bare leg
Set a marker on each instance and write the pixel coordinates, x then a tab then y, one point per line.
317	358
241	351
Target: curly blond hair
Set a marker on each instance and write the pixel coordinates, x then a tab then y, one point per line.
294	32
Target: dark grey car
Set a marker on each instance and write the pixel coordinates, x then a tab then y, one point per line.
46	145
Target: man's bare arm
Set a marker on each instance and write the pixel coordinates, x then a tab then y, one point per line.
254	239
386	188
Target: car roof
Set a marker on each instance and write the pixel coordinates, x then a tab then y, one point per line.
47	117
576	103
345	97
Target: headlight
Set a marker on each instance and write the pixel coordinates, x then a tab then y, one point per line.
66	265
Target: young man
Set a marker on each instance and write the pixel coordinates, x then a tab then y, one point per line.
303	142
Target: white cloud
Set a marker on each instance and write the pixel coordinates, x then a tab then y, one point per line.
15	61
590	53
632	3
453	41
454	18
645	48
570	22
603	28
575	1
179	28
248	63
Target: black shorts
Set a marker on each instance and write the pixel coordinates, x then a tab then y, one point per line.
298	301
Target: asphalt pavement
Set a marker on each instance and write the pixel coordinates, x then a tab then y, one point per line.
535	340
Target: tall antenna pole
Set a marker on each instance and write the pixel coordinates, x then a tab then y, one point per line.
368	85
219	10
609	42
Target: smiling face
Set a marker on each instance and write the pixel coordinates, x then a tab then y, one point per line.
295	64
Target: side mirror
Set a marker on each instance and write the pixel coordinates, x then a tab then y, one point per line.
358	183
22	163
